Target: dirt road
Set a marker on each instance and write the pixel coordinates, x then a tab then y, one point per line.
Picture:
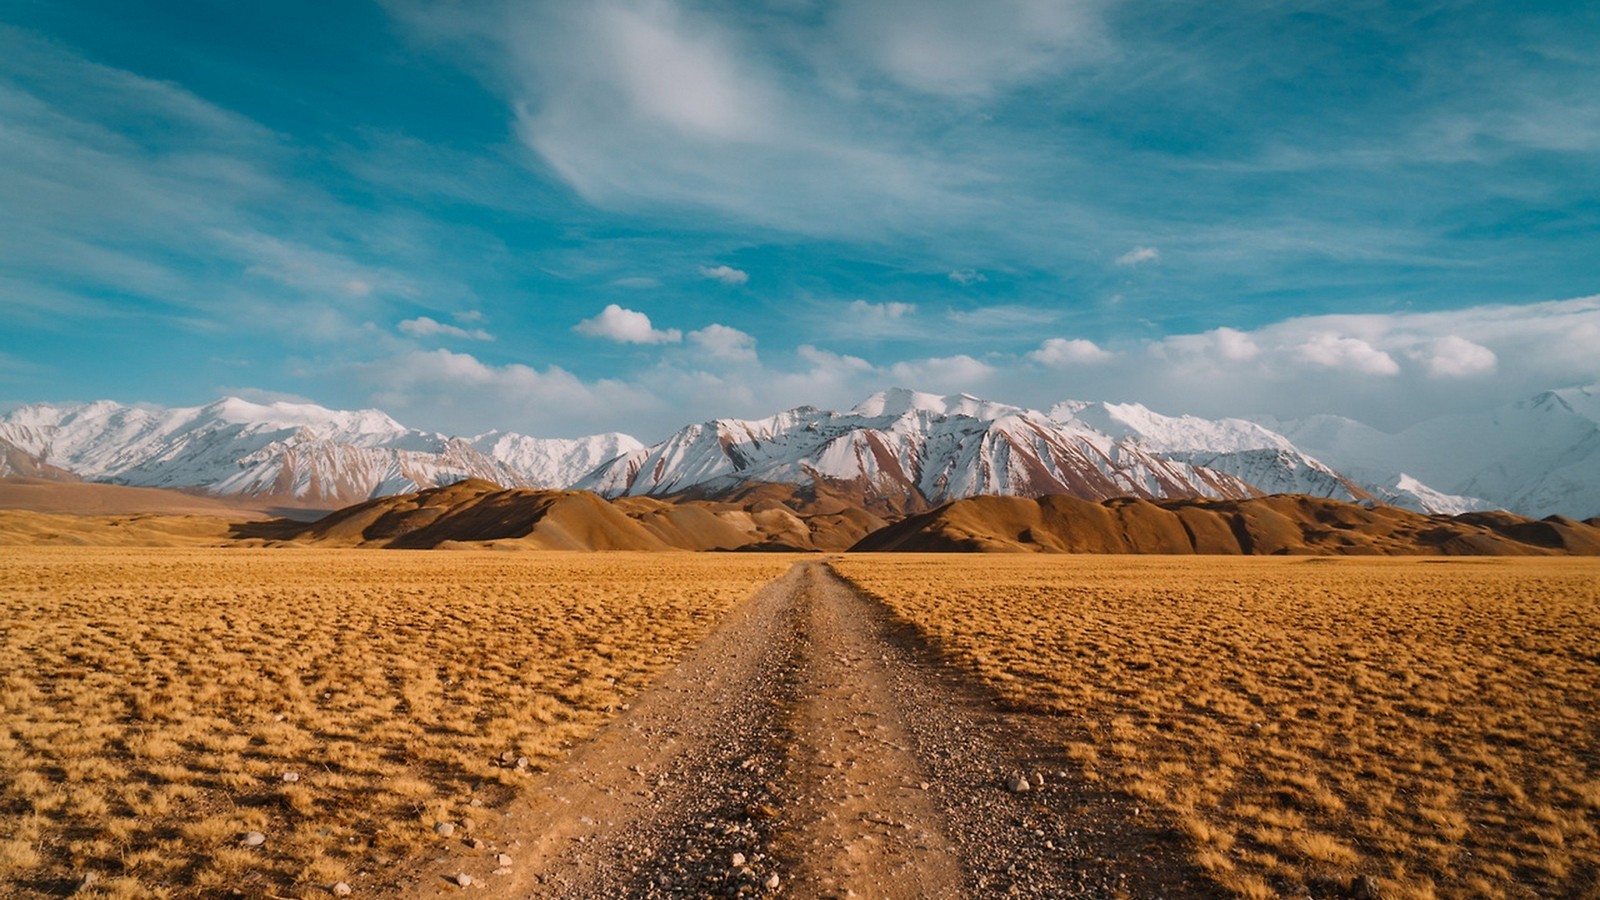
813	746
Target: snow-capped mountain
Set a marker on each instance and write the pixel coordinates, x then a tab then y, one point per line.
897	450
291	451
1536	457
1266	460
903	449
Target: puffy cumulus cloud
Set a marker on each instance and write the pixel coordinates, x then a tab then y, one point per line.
725	342
725	274
1332	351
968	277
1062	352
1402	368
1138	255
626	326
946	375
1224	345
1456	357
820	359
425	327
459	393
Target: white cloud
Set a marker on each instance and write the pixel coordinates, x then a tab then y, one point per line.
626	326
457	392
668	106
355	287
1138	255
950	374
1226	345
968	277
893	311
725	342
1331	351
1061	352
1287	369
960	49
425	327
725	274
637	283
827	359
1009	317
1456	357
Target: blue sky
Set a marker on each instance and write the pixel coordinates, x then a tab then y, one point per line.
629	214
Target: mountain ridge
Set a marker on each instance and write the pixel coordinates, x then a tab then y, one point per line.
896	452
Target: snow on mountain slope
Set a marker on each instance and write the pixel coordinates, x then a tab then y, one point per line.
291	451
897	450
1536	457
553	462
904	448
1246	450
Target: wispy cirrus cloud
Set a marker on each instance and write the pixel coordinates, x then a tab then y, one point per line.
426	327
1138	255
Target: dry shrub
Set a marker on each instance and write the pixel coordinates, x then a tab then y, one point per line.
1429	724
152	700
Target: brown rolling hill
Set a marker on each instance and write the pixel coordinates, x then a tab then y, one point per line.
477	513
1279	524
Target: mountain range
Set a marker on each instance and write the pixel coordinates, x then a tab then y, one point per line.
898	452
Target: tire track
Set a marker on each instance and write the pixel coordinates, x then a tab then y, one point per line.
812	746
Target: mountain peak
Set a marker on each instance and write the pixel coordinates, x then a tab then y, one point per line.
898	401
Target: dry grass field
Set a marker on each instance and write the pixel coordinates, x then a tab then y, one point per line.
157	705
1428	728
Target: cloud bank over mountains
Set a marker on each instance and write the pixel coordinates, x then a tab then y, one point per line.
1392	370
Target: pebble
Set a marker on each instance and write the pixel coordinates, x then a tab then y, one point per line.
503	860
738	860
291	777
468	824
1038	779
444	829
464	879
340	889
773	881
253	839
1017	783
476	844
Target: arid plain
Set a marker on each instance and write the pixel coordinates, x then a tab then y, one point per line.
1242	726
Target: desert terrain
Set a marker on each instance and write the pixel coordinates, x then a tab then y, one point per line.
194	721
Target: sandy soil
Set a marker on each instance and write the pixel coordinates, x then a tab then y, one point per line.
82	498
812	746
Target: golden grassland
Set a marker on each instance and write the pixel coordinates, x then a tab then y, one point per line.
152	701
1430	726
